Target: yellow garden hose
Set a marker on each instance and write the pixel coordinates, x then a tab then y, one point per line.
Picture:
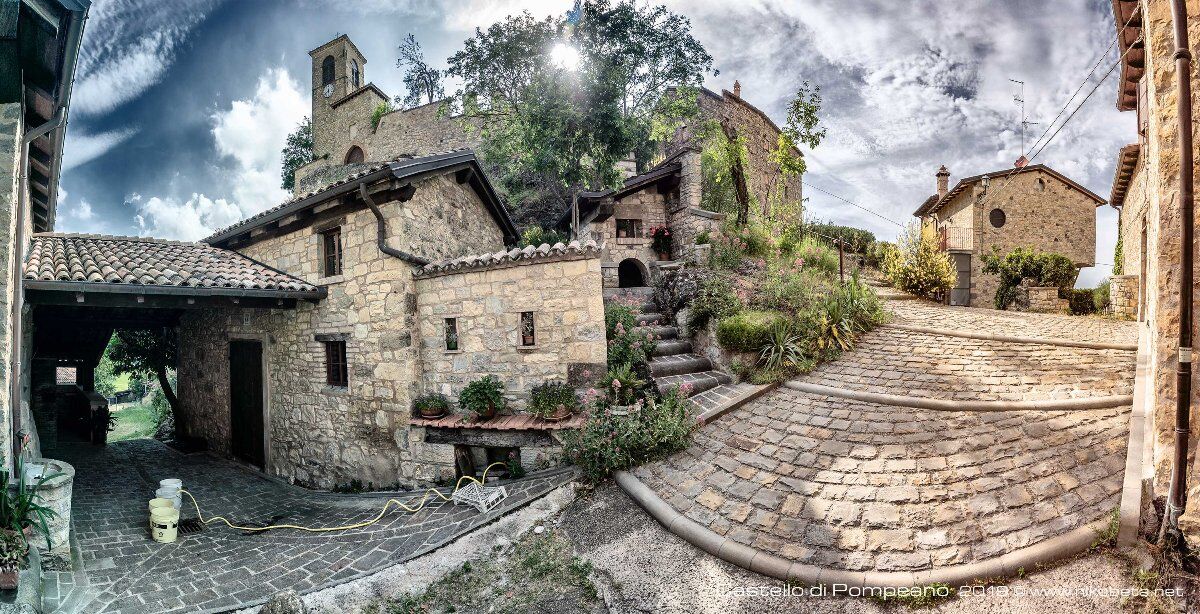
425	499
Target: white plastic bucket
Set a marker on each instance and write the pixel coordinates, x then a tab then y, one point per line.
171	495
175	483
158	503
164	525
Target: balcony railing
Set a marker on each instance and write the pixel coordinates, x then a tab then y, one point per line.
957	239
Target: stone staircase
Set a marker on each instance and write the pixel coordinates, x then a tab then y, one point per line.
673	363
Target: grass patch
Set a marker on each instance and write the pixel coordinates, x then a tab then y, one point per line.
538	573
134	422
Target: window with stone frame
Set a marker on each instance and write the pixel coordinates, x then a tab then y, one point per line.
331	252
451	334
528	329
327	70
337	374
629	229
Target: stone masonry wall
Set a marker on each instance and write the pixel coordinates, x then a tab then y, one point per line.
563	292
318	435
646	205
766	183
10	150
1123	296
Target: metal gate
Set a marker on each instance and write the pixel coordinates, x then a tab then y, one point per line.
960	294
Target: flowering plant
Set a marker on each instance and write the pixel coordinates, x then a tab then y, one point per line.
660	239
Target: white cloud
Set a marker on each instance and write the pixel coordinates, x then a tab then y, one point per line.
253	132
127	47
82	148
190	220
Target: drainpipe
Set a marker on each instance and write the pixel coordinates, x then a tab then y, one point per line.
382	233
1183	78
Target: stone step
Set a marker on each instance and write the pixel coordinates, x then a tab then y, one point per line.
706	380
661	332
672	346
679	364
650	317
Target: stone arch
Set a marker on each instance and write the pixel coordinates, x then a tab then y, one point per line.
355	155
327	70
632	273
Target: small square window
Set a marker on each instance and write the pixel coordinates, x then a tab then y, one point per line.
528	331
336	373
629	229
451	334
331	252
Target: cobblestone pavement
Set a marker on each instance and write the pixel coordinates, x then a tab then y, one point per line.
220	569
860	486
1013	323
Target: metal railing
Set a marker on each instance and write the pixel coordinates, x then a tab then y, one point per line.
954	238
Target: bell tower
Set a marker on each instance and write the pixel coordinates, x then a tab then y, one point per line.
338	69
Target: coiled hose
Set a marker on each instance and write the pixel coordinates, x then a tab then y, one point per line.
429	493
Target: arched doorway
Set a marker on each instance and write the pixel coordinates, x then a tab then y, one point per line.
631	274
355	155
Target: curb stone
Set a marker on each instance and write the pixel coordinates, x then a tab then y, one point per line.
1106	402
946	332
1050	550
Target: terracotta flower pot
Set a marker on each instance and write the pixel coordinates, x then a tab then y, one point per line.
664	255
432	412
8	579
562	413
488	413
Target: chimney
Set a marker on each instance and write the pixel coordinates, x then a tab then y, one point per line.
943	182
737	88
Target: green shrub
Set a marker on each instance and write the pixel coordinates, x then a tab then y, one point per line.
550	398
792	291
618	317
483	396
855	239
632	346
1118	257
882	253
919	266
715	299
703	238
814	253
1100	296
757	240
726	252
1039	269
378	112
611	441
536	236
748	331
1081	301
623	385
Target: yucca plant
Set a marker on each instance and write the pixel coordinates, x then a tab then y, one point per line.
835	329
784	348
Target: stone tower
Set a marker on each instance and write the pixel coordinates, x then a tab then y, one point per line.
338	70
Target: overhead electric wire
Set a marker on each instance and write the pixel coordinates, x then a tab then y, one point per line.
854	204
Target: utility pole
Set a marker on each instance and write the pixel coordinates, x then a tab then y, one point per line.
1019	99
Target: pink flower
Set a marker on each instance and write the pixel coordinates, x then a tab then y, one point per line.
686	389
616	384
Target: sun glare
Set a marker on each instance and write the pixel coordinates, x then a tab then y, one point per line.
565	56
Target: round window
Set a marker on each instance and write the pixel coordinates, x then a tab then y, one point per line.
997	218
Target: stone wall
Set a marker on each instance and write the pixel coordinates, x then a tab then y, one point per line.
766	183
687	219
564	292
1040	299
10	150
318	435
647	205
1123	296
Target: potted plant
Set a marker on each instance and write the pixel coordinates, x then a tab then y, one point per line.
13	548
660	241
553	401
432	405
483	397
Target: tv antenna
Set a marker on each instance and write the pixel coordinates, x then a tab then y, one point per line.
1019	99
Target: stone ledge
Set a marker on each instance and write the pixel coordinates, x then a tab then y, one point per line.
1053	549
970	406
1129	347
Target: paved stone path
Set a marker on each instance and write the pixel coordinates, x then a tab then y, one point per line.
860	486
220	569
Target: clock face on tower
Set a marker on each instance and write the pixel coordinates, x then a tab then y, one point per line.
328	90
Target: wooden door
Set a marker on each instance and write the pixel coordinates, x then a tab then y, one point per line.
246	401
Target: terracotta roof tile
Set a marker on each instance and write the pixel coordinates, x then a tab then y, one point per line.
483	261
105	259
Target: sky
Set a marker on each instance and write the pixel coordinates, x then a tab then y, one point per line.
178	116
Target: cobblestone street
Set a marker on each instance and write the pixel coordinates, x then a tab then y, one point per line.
220	569
847	484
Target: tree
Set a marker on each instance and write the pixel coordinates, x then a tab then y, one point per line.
802	127
550	128
297	152
154	352
420	79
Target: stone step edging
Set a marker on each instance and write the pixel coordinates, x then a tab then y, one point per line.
1047	551
950	405
948	332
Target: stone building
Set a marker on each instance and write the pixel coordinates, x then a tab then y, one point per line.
1146	192
670	194
343	109
1030	206
39	44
